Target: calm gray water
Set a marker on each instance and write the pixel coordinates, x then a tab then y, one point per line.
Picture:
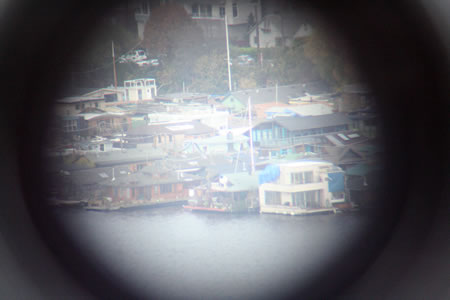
170	253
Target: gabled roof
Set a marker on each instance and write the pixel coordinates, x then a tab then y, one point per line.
185	128
242	181
312	122
78	99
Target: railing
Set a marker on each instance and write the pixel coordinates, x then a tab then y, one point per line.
292	141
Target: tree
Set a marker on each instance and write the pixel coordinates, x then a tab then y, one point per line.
171	32
331	57
210	74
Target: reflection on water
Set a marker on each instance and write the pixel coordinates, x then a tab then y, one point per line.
170	253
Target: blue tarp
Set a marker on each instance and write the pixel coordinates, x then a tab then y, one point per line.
269	174
336	182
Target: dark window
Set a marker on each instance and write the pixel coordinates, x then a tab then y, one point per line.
165	188
111	97
235	10
96	104
159	139
297	178
273	198
222	11
82	106
140	94
170	138
308	177
77	106
298	199
195	10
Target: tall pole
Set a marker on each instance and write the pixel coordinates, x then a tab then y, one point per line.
114	65
257	34
228	55
251	135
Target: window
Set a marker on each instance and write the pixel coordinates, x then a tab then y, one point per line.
299	200
195	10
273	198
235	10
308	177
77	106
297	178
96	104
140	94
170	138
82	106
222	11
166	188
205	10
159	139
156	189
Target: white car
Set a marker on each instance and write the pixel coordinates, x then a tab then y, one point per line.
143	63
133	56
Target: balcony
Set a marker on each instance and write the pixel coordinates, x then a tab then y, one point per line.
292	141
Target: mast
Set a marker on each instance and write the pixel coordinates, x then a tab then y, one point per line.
114	66
228	54
251	134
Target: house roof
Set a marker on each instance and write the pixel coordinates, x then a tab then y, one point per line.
220	139
311	122
242	181
93	176
127	156
363	169
185	128
146	179
77	99
313	109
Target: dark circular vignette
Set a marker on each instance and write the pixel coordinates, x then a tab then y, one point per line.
396	47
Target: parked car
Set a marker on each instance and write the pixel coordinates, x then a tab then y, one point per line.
154	62
245	59
143	63
133	56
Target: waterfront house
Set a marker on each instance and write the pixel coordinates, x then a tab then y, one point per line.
229	192
284	135
363	182
70	106
301	187
151	184
170	136
83	184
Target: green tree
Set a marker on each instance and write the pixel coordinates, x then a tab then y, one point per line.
331	58
93	66
210	74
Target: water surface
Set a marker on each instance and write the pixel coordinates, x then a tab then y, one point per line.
171	253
